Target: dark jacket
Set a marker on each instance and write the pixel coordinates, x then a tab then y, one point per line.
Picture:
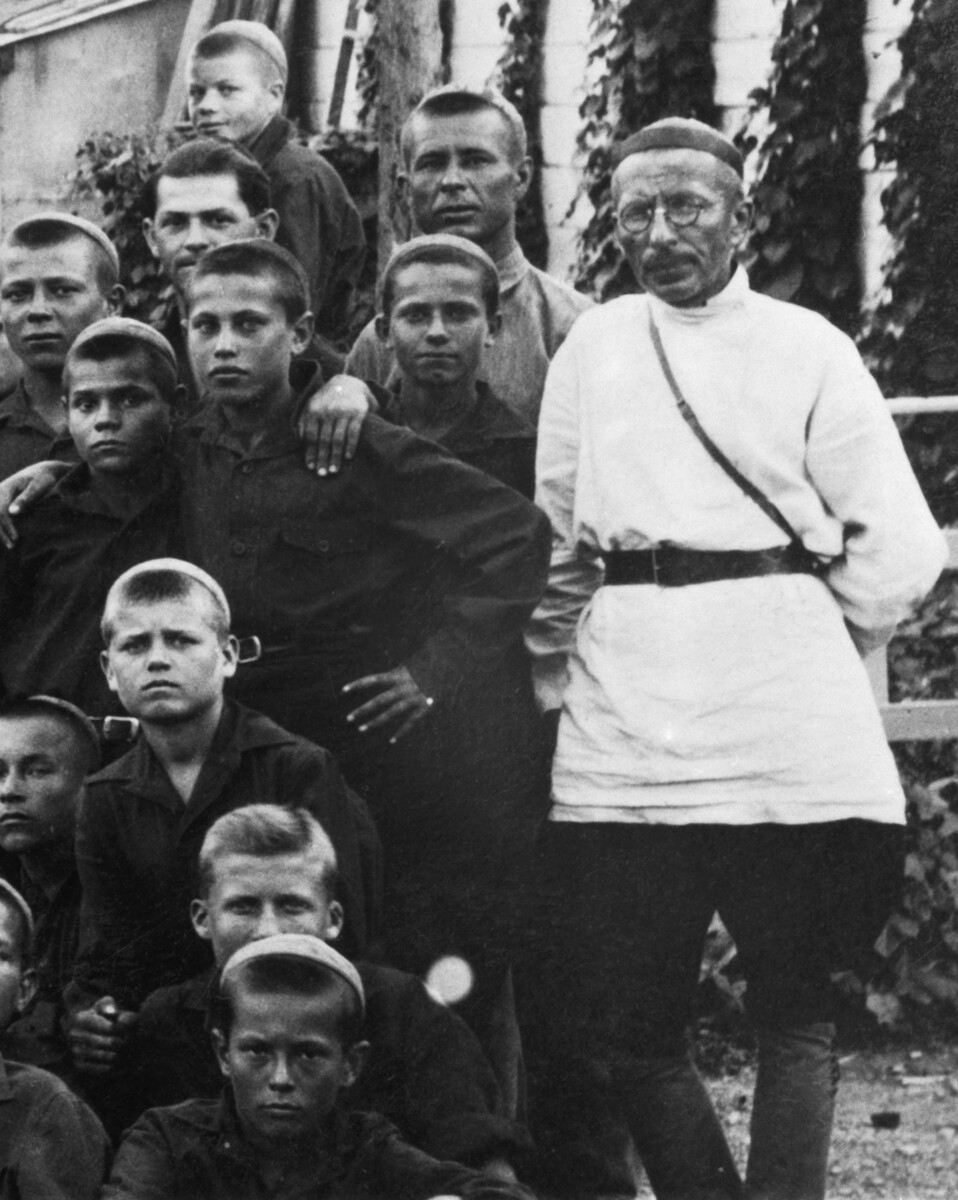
318	221
197	1151
25	438
52	1147
426	1071
54	582
138	844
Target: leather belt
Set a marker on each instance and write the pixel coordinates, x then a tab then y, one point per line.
675	566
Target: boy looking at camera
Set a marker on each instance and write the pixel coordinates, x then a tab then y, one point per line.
265	870
116	507
287	1026
51	1146
169	652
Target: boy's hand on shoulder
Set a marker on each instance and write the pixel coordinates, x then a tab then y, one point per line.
22	490
397	701
97	1034
332	420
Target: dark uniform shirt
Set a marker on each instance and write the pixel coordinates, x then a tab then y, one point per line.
488	436
138	844
197	1149
37	1037
54	582
426	1071
407	556
25	438
318	221
52	1147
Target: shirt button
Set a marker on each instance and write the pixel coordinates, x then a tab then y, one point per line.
238	547
246	468
324	545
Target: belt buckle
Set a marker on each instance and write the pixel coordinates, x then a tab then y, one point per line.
250	649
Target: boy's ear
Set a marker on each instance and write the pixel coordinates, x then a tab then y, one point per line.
220	1047
301	333
29	982
148	235
267	223
231	655
382	328
114	298
495	327
179	400
524	173
334	921
200	916
108	669
353	1062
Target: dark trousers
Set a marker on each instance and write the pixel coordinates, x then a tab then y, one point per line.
607	991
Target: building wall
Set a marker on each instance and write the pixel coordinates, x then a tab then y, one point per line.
107	74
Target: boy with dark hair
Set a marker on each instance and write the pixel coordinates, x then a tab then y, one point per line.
439	316
117	506
287	1027
237	79
396	590
266	870
58	274
51	1146
168	654
47	748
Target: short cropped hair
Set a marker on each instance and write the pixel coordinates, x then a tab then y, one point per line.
44	232
441	254
150	587
284	975
119	345
80	729
264	831
453	103
208	156
257	258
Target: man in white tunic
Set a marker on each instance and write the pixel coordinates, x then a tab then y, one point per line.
719	747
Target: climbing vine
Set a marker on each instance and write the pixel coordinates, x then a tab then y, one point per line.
646	59
519	77
807	188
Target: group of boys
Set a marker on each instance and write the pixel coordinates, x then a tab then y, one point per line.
377	601
337	735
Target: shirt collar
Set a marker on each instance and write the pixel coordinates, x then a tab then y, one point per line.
730	299
16	410
512	269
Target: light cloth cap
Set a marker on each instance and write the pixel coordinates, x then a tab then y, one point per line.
180	567
79	719
81	224
298	945
125	327
681	133
409	249
258	35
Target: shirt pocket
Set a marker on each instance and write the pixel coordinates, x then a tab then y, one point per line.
327	539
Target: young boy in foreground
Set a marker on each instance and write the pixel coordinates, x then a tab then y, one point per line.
51	1146
169	651
265	870
47	748
287	1026
117	507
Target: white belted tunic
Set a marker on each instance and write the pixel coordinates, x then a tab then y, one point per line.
738	701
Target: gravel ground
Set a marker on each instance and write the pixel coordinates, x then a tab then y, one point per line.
918	1160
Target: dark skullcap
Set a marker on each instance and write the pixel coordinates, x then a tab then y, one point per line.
71	221
680	133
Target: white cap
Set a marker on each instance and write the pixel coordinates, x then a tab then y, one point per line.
256	34
180	567
298	945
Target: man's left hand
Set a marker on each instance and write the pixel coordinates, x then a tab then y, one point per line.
332	421
398	701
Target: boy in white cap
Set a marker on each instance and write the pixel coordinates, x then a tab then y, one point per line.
52	1147
287	1026
47	748
116	507
237	76
58	274
169	652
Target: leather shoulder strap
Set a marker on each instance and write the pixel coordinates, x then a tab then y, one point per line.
753	492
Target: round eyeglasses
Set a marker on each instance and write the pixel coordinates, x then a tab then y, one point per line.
680	212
